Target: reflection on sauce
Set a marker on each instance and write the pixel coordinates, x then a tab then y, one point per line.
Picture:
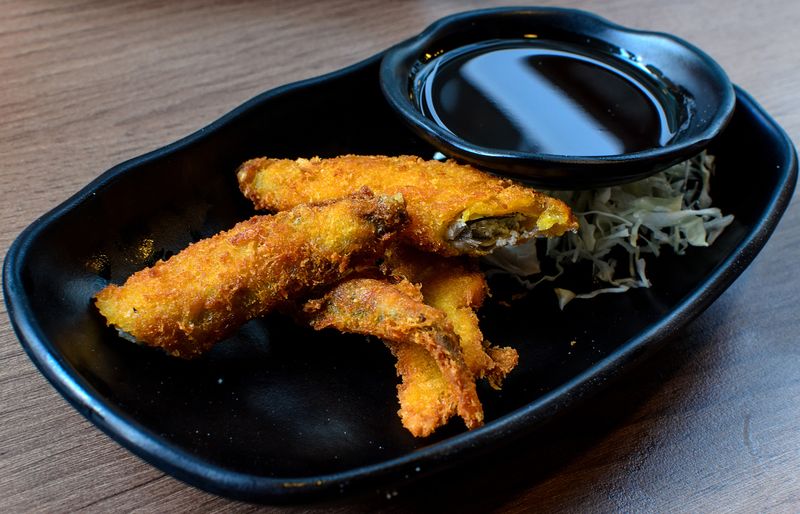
537	96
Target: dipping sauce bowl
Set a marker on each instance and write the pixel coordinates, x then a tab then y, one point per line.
557	98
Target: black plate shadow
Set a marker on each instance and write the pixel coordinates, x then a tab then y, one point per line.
279	413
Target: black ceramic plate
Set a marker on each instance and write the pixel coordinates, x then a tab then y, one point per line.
278	412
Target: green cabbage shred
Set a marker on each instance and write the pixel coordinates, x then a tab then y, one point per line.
671	209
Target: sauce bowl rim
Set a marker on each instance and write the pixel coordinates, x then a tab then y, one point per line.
397	70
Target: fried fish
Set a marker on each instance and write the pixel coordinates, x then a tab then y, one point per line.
417	334
453	208
458	288
204	293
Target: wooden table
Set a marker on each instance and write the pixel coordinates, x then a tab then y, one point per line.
710	423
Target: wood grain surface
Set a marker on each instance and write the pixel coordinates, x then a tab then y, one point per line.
710	423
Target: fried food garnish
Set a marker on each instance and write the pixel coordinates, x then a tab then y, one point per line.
453	208
204	293
458	288
396	314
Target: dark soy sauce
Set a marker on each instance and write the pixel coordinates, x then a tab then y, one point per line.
543	97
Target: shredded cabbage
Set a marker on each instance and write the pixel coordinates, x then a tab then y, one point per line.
669	209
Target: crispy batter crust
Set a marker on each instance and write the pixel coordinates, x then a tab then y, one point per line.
396	314
458	288
201	295
438	194
426	399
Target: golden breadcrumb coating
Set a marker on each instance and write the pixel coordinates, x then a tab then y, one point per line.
458	288
427	401
396	314
204	293
453	208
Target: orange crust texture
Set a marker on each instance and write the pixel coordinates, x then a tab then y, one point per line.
427	401
396	314
204	293
458	288
438	194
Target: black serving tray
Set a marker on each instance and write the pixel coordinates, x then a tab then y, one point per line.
281	413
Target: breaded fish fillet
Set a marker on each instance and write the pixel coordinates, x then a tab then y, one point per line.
453	209
396	314
427	401
458	288
201	295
